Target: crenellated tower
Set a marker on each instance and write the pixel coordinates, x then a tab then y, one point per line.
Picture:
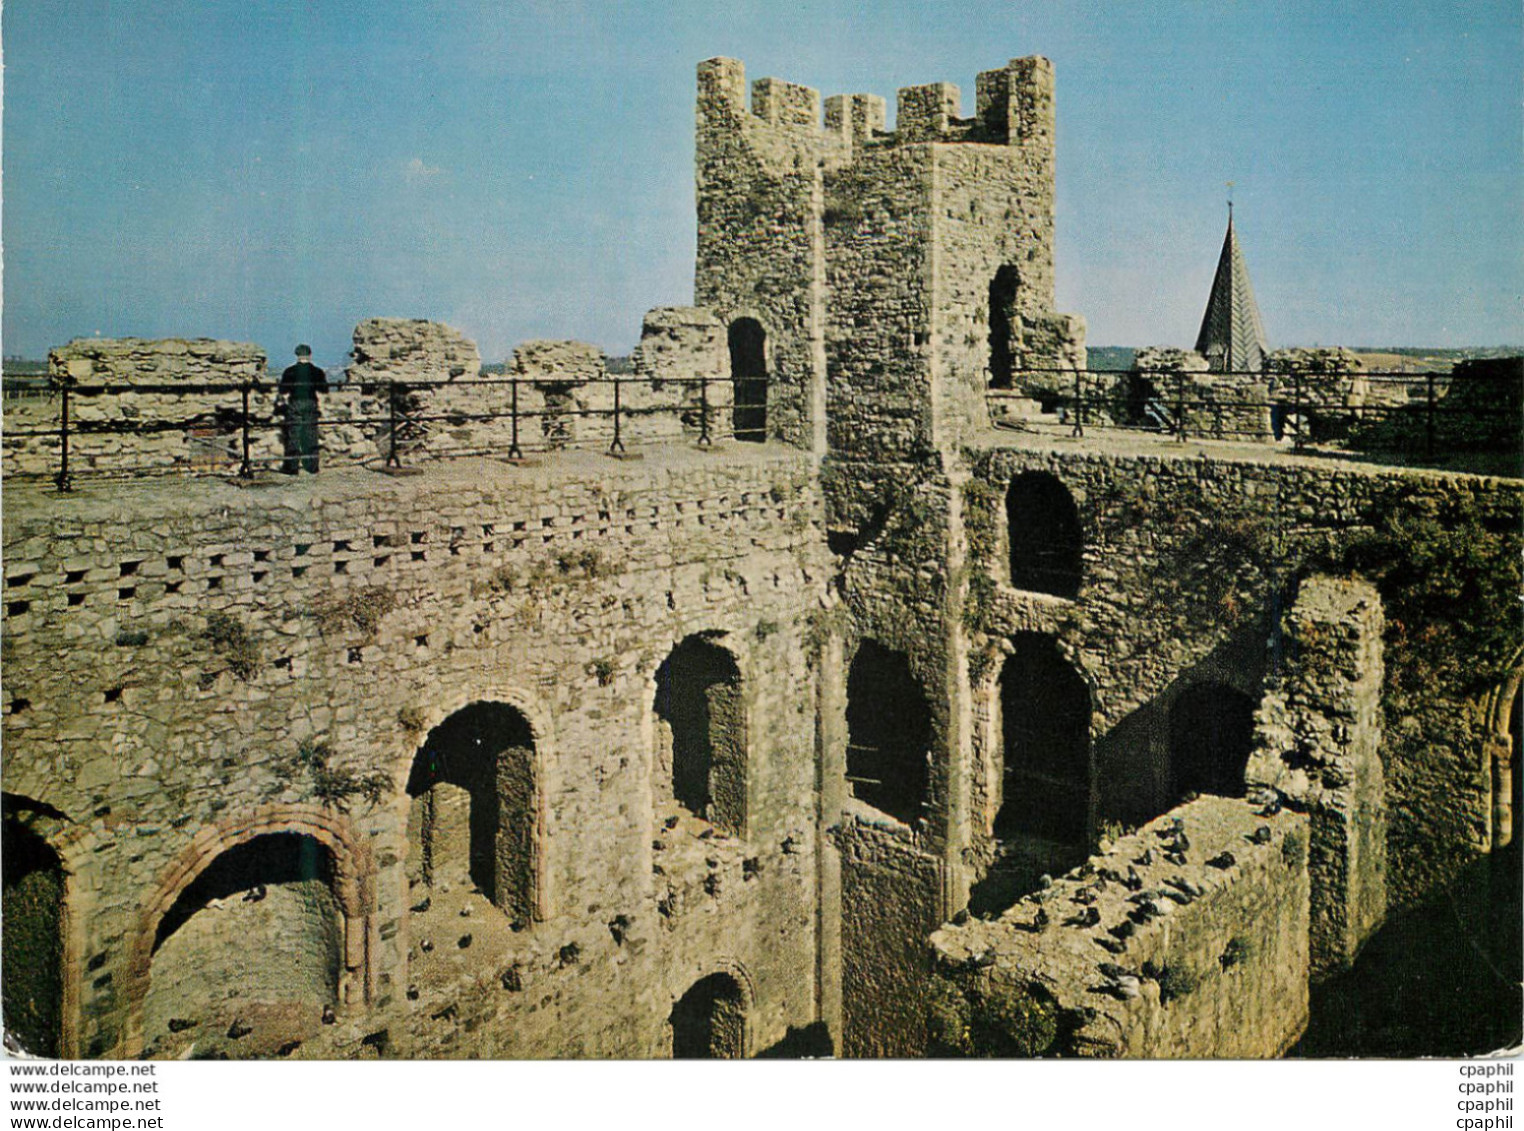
893	275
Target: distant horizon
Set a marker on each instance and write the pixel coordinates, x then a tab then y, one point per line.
269	172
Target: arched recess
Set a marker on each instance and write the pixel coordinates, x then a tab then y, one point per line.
297	839
1211	727
1043	529
34	930
476	811
254	942
1005	327
888	733
1044	721
701	732
709	1022
748	375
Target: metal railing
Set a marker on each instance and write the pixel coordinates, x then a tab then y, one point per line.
1364	411
400	422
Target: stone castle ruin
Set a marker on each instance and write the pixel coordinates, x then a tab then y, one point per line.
844	720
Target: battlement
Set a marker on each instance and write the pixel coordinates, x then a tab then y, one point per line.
1014	106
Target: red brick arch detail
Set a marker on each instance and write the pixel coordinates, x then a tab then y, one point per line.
354	886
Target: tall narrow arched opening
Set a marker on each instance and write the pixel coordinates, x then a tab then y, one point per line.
748	375
475	808
701	732
1045	740
888	733
1211	729
1005	323
250	954
32	923
709	1021
1043	527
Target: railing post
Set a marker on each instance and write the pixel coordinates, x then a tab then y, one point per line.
245	467
64	481
616	447
514	451
1079	402
392	459
704	440
1180	405
1297	437
1429	423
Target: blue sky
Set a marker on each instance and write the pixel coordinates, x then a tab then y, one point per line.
277	171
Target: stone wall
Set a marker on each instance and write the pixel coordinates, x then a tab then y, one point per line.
1171	388
1329	387
1204	959
1319	741
679	346
1187	564
878	230
239	663
162	361
445	406
412	349
131	384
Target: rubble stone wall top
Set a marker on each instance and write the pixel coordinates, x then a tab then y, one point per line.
412	349
146	361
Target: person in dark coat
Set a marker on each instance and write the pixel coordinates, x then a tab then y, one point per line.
297	400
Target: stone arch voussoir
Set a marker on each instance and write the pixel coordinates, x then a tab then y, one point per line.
354	888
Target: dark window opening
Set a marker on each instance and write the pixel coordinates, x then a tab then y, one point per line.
748	375
888	733
1045	539
1045	735
709	1021
1211	734
31	943
475	800
1003	327
703	731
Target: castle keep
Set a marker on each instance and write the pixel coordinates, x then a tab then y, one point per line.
842	720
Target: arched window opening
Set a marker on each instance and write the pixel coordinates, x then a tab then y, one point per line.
701	726
748	375
1045	736
1211	735
473	819
31	934
1044	532
1005	326
709	1021
250	954
888	733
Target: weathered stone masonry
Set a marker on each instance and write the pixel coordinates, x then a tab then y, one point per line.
557	599
716	753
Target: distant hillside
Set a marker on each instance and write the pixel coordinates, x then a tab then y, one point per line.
1110	357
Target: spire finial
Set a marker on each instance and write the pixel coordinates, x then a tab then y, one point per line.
1230	202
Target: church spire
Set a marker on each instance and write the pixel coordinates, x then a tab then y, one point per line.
1232	336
